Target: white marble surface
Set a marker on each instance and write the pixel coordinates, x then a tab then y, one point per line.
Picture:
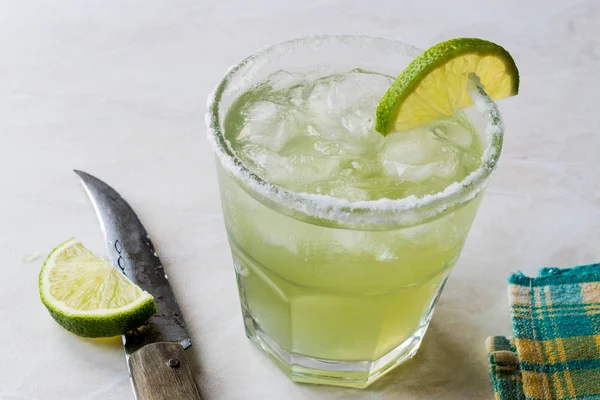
118	88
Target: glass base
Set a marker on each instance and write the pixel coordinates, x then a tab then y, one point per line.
356	374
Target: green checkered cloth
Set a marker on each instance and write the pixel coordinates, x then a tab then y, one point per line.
555	351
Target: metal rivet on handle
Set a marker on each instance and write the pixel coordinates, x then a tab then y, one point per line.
173	363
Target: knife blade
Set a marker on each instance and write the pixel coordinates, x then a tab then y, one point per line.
155	354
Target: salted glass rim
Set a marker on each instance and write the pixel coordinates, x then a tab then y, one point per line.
403	211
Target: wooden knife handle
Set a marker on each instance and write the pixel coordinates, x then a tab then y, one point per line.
161	371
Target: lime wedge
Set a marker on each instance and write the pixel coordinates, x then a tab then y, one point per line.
434	85
89	297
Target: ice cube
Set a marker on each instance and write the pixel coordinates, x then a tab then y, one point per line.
338	93
311	146
283	79
296	97
262	158
419	146
294	171
455	134
330	131
416	173
312	131
365	167
343	104
321	97
305	169
345	91
418	155
358	122
261	110
327	147
269	124
267	163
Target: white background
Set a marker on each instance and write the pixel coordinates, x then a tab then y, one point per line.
118	89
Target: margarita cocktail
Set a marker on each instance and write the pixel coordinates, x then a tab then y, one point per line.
342	238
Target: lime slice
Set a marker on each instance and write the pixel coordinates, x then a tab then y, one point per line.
434	85
89	297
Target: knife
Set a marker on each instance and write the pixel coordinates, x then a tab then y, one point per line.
155	353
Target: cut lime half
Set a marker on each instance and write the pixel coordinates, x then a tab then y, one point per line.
88	297
434	85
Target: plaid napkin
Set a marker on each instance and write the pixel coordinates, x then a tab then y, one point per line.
555	351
